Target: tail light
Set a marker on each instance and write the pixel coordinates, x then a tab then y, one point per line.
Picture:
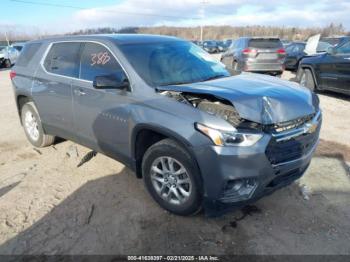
281	51
12	74
248	51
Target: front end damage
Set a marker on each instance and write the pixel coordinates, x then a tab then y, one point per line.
237	175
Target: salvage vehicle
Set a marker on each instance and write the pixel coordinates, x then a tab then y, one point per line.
255	54
171	113
211	46
8	56
328	71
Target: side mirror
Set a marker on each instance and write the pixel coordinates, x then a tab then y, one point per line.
113	81
330	50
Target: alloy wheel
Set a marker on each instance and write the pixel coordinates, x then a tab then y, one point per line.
170	180
31	125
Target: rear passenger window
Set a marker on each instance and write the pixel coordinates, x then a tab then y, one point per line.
97	60
63	59
27	54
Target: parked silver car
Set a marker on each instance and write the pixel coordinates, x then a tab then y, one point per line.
170	112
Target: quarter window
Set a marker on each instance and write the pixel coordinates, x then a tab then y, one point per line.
63	59
27	54
97	60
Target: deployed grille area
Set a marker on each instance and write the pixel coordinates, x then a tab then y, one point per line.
280	127
293	148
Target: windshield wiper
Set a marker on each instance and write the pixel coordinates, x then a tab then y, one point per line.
214	77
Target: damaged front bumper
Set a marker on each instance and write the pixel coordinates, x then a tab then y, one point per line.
236	176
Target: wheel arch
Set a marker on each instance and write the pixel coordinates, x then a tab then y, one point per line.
145	135
21	99
309	67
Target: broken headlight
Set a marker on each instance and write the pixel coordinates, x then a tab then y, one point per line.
229	137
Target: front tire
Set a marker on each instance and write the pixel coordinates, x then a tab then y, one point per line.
172	178
235	68
33	128
307	80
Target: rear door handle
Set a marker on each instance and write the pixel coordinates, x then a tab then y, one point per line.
347	58
79	92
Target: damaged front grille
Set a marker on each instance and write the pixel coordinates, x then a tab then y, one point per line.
288	125
293	148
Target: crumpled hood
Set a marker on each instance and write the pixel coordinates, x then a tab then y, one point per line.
259	98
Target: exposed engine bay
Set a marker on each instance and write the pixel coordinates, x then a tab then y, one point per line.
225	110
214	106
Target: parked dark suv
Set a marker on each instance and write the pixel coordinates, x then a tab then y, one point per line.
328	71
262	55
171	113
295	52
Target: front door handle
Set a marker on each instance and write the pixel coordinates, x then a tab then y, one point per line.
79	92
347	58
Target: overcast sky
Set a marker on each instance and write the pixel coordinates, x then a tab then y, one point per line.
121	13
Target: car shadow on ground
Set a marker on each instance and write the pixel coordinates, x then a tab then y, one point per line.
335	95
115	215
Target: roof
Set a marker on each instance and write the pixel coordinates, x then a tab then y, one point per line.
18	44
119	39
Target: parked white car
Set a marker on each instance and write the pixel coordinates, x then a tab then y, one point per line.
8	56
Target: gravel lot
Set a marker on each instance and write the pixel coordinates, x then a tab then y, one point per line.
48	205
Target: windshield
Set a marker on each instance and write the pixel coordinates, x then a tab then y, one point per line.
171	63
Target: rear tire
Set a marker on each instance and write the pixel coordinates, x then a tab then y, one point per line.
235	68
33	128
172	178
307	80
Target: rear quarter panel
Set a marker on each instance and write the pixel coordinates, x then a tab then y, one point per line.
22	83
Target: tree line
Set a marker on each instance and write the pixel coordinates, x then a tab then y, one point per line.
209	32
225	32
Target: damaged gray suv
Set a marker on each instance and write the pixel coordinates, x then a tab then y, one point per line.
198	137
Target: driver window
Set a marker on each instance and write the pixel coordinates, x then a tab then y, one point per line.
97	60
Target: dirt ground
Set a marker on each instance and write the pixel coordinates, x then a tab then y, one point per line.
49	206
